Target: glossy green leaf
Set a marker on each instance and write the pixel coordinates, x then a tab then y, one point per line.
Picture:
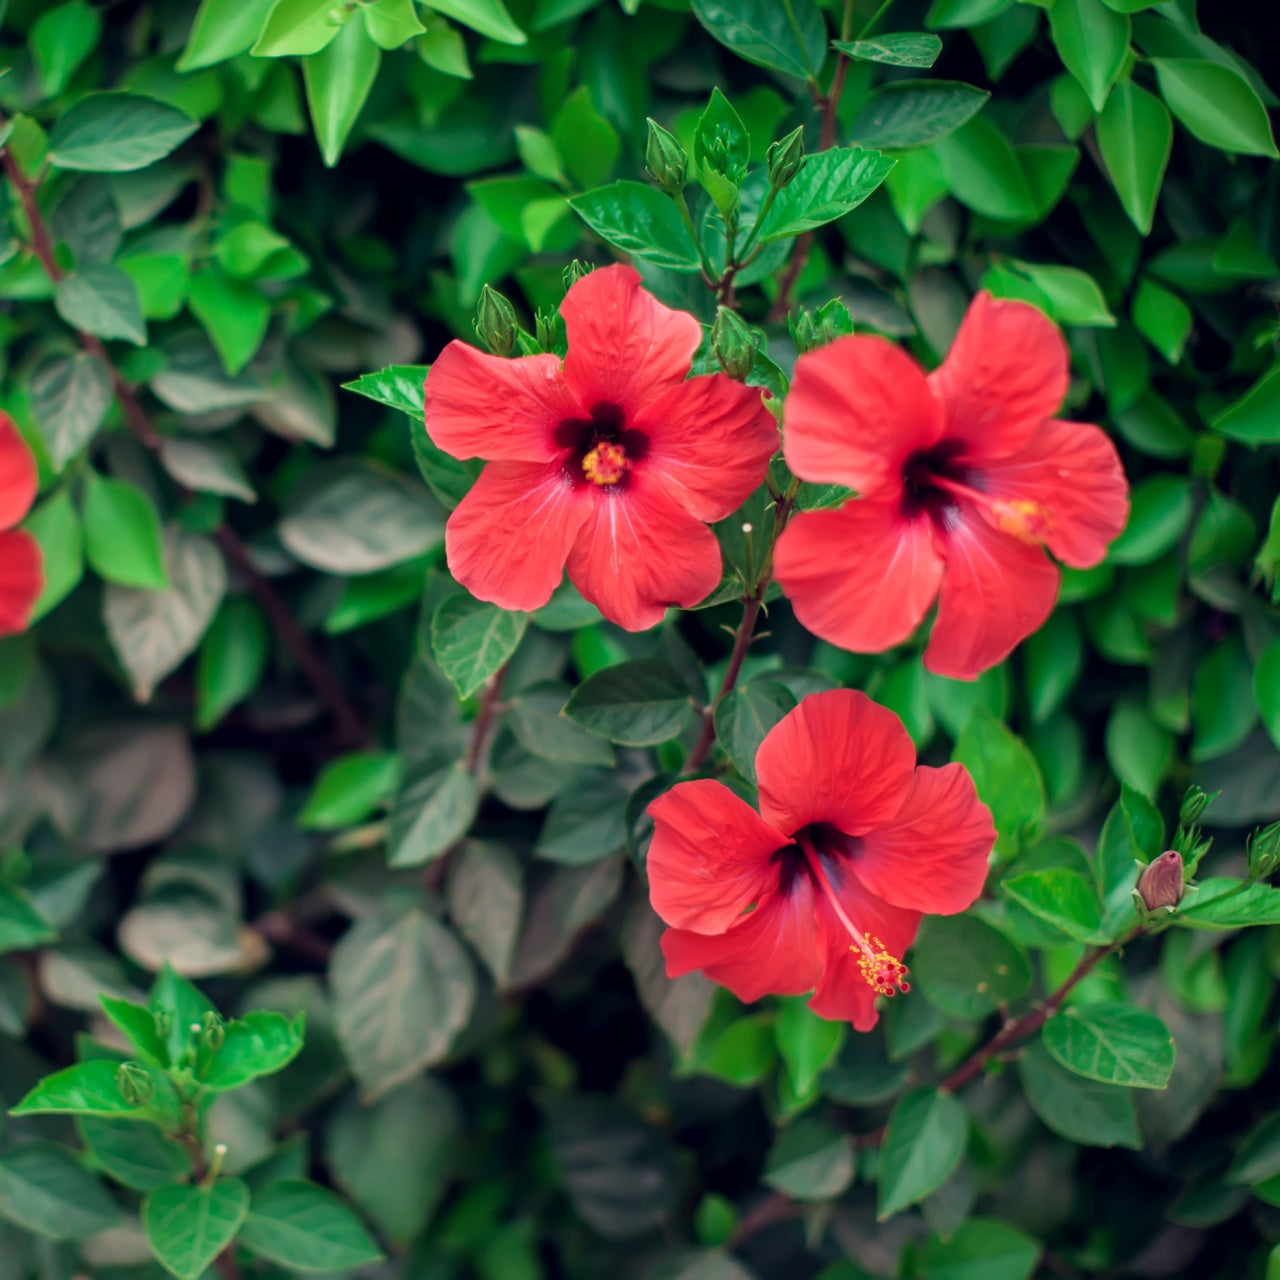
1217	104
636	703
790	38
1135	137
913	113
471	640
1005	774
745	716
900	49
350	789
1113	1043
338	81
488	17
1062	898
925	1136
967	969
639	220
86	1089
117	132
1254	418
1093	42
223	29
232	660
187	1227
806	1042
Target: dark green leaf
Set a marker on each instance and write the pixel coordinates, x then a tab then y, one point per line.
433	810
116	132
1093	43
912	113
21	925
924	1138
1096	1115
471	640
1217	104
338	80
189	1226
305	1228
790	37
966	968
745	716
70	396
46	1190
101	300
810	1161
1254	418
980	1247
637	703
901	49
1113	1043
639	220
137	1155
1135	136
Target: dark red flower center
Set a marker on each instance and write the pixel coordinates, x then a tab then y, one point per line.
821	852
600	449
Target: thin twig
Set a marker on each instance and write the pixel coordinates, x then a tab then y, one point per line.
350	727
480	726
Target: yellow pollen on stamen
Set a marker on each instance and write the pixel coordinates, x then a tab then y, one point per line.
884	973
606	464
1025	520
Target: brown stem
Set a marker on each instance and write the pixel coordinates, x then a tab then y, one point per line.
829	103
350	727
483	722
773	1209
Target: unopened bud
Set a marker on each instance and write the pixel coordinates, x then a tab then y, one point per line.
786	158
733	343
496	322
164	1022
574	272
548	330
1193	805
135	1084
1160	886
212	1032
804	331
1264	852
665	159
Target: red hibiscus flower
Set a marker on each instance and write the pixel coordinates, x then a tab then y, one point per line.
963	477
611	463
824	888
21	578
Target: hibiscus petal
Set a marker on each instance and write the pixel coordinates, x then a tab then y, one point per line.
21	580
509	537
483	406
857	409
843	993
861	577
1071	472
934	855
18	478
640	554
710	856
710	441
995	592
1005	374
625	347
837	758
772	951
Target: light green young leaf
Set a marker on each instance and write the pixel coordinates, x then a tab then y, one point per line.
338	81
123	539
189	1226
223	29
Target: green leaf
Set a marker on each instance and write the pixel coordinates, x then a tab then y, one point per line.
86	1089
638	704
117	132
1222	708
139	1026
70	396
587	143
790	37
1254	419
1061	897
1259	1155
350	789
745	716
206	468
153	631
101	300
1006	775
259	1044
1216	104
1113	1043
1159	512
964	13
809	1161
187	1227
21	925
901	49
223	29
1266	689
356	520
488	17
338	81
1138	750
1073	296
392	23
234	313
123	539
912	113
46	1190
471	640
1220	903
485	892
305	1228
1053	658
639	220
400	386
137	1155
1135	136
60	40
831	184
535	719
402	991
806	1042
1132	835
1084	1111
232	659
1162	318
980	1249
585	825
1093	43
983	172
966	968
298	28
925	1136
433	811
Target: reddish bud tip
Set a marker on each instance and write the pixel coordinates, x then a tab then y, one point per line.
1160	885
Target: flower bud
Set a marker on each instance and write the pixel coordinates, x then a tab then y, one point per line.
665	159
548	330
496	322
733	343
1160	885
786	158
1194	804
574	272
135	1084
212	1032
1264	852
804	331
